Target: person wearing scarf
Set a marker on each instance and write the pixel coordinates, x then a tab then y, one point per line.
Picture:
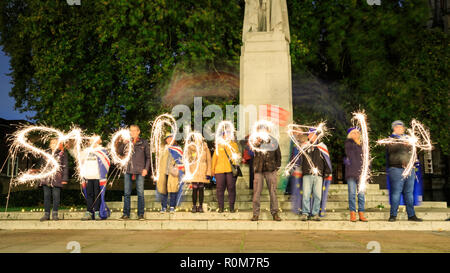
353	166
315	184
397	156
94	169
170	172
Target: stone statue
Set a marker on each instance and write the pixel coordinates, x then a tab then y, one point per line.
266	16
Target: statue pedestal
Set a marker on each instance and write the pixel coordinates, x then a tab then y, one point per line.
265	78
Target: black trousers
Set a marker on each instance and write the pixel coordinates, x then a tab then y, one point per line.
92	198
251	172
48	193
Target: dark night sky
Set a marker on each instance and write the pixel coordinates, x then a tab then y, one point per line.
6	102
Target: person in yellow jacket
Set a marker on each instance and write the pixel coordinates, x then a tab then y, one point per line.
221	169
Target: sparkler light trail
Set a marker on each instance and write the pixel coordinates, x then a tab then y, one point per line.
157	135
225	133
361	119
417	137
263	130
192	154
295	129
21	143
125	136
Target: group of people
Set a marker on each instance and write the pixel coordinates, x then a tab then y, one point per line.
311	183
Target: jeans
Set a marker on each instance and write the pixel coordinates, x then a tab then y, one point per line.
311	184
352	187
400	185
48	192
127	194
93	199
172	202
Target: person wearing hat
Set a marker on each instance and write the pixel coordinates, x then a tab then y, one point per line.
353	165
398	156
315	180
170	172
137	169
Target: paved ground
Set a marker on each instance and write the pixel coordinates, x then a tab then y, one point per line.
44	241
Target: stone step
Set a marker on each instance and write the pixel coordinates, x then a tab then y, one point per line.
428	215
281	197
284	205
224	225
265	191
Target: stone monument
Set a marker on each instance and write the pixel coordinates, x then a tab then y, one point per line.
265	65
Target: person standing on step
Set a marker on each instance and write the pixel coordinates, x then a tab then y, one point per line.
353	166
266	165
52	186
314	177
221	169
93	170
137	169
170	173
247	158
201	176
398	156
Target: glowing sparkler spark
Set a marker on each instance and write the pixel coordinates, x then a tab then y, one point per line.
192	154
360	117
263	130
293	131
224	134
157	135
21	142
416	137
125	136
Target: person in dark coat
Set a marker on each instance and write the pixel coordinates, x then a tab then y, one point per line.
137	168
353	165
266	165
52	186
398	155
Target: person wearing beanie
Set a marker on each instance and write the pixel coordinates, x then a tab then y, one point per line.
353	165
398	155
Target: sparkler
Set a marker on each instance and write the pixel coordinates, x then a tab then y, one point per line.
192	154
157	135
21	143
293	130
361	119
224	134
125	136
417	137
262	130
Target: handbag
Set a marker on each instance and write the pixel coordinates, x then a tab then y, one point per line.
235	169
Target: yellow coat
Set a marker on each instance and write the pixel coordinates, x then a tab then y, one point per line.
220	162
171	185
204	167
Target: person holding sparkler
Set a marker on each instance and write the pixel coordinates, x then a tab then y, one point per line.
226	153
398	155
93	170
266	164
314	176
170	173
137	169
201	173
353	165
53	186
